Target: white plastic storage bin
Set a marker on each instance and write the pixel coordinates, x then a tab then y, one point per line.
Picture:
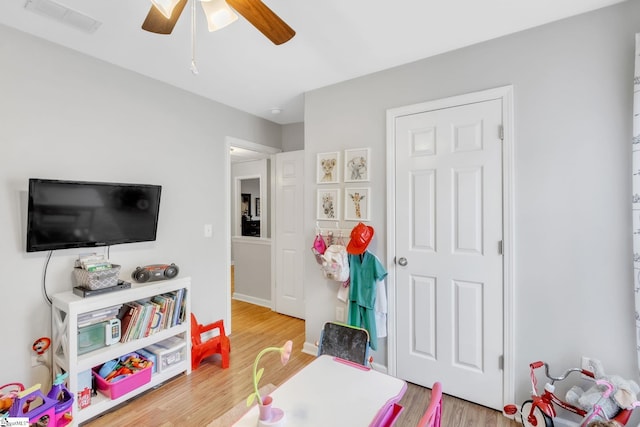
169	352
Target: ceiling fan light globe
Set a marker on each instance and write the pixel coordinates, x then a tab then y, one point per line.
218	14
165	6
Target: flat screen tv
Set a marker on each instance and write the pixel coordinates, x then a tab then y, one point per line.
80	214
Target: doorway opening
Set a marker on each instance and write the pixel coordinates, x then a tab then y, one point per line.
248	213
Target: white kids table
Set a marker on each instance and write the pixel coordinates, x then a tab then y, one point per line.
334	392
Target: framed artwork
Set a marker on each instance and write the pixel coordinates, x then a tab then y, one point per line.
328	204
356	204
257	206
328	168
356	165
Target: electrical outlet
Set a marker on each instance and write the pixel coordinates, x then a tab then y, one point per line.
340	314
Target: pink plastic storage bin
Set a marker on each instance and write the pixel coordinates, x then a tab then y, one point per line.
125	385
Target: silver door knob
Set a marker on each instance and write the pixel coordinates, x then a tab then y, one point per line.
402	261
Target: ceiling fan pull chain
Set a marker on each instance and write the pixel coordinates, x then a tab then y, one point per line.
194	68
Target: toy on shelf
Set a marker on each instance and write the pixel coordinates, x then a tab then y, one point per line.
120	376
118	369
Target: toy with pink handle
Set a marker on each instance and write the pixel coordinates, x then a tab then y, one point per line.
6	397
597	409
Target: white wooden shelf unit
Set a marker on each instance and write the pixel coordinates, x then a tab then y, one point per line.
66	308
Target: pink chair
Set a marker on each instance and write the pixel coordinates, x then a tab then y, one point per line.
433	414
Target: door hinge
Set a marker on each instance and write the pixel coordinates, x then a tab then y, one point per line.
501	132
501	362
500	247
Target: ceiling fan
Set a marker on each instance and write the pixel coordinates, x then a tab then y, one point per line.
165	13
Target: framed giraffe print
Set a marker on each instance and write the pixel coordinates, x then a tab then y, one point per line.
356	204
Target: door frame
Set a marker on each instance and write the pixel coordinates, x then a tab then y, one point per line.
504	93
231	141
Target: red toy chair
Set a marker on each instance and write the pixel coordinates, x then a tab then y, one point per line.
219	344
433	414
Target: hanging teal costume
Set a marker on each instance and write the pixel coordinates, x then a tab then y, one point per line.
365	272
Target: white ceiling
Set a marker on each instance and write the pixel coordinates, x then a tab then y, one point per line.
336	40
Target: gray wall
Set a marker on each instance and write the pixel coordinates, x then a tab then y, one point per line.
66	115
293	137
252	270
573	83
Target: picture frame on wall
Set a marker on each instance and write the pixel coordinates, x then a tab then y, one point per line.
357	203
328	167
328	204
357	167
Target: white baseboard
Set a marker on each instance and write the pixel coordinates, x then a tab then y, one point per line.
380	368
309	348
252	300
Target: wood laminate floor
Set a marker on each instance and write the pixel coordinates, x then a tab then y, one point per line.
210	391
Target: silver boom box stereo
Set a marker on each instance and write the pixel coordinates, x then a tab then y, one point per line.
150	273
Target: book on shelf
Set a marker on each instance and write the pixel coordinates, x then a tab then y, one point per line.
135	313
176	311
171	303
127	317
153	325
183	308
141	323
157	323
146	317
144	320
150	323
163	302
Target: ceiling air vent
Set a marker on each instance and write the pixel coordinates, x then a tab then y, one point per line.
63	14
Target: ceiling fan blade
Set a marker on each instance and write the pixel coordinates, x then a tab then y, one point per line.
156	22
263	18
